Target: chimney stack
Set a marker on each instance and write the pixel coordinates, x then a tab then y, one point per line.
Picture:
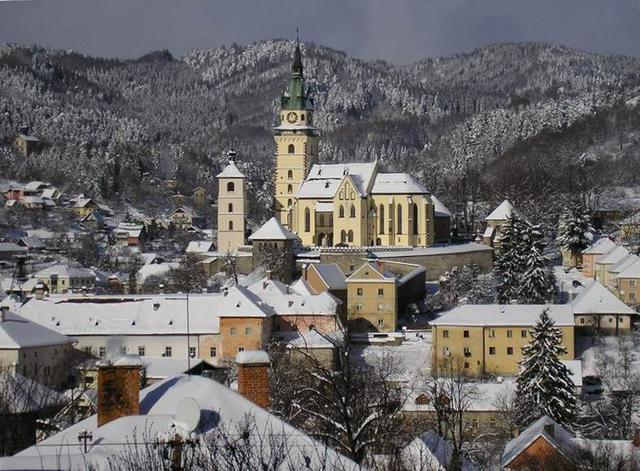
304	272
39	290
253	376
269	275
549	430
118	392
3	313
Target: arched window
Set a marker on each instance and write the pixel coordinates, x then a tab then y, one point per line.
230	225
230	207
231	187
350	235
289	203
307	220
290	174
292	149
341	211
399	220
343	236
415	219
302	117
289	189
352	211
381	216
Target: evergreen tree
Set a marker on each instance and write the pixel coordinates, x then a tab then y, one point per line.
510	261
544	386
575	232
536	285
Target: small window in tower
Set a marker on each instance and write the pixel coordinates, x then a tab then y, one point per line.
230	225
231	187
289	189
230	207
292	149
290	174
302	117
289	202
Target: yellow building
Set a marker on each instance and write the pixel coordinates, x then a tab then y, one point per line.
351	204
594	253
231	207
604	263
628	283
597	308
490	337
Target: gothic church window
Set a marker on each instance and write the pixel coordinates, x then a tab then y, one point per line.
341	212
415	219
289	189
381	219
350	235
399	219
307	220
352	211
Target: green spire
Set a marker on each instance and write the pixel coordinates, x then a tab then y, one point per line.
295	95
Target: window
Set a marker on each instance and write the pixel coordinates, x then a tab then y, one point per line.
582	320
509	350
445	334
230	207
168	351
230	225
466	334
381	216
492	350
291	149
523	334
302	117
509	333
359	291
341	211
231	187
341	197
343	236
380	307
466	364
213	352
141	350
610	320
123	350
102	352
632	295
350	235
352	211
632	282
352	267
289	189
380	322
290	174
492	422
247	331
380	291
467	352
492	334
289	202
358	307
399	220
240	349
415	219
307	220
234	331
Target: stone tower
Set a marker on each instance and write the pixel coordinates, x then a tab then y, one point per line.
296	141
232	207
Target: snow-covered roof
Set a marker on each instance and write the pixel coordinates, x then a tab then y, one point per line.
614	256
439	209
561	440
31	200
603	245
272	230
32	242
397	183
158	407
575	369
26	394
324	179
502	213
431	451
632	271
309	339
301	287
505	315
433	250
154	269
160	367
623	264
65	271
19	332
231	171
28	138
11	247
35	185
82	202
51	193
129	229
597	299
186	210
278	298
200	246
331	275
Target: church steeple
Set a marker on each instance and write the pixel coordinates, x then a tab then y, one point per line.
296	66
295	95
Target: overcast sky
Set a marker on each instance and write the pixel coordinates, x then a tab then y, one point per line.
399	31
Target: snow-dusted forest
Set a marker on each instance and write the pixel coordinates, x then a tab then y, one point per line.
516	120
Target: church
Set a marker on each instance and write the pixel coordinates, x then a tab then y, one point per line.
347	204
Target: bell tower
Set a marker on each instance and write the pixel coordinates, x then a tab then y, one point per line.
232	206
296	141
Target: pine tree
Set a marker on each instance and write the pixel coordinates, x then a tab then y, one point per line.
510	262
536	284
544	386
575	232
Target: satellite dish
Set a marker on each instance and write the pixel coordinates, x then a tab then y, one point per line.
188	414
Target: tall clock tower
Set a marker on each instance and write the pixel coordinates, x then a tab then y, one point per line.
296	141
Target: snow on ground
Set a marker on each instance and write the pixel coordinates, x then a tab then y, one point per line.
412	356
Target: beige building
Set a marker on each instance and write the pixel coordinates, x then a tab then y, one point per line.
199	196
604	263
629	284
232	211
25	144
495	221
184	217
594	253
597	308
490	337
62	278
350	204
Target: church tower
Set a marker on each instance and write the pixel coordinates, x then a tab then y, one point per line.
296	141
232	207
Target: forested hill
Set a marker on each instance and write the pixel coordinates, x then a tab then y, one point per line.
507	120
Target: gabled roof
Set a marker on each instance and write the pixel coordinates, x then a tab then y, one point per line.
632	271
65	271
601	246
82	202
231	171
35	185
624	263
11	247
502	212
439	209
561	440
272	230
617	254
369	267
397	183
28	138
505	315
200	246
596	299
324	180
18	332
330	274
32	242
431	451
185	209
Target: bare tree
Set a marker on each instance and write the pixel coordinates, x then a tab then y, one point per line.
188	275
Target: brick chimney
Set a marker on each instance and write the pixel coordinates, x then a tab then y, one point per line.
636	438
118	392
253	376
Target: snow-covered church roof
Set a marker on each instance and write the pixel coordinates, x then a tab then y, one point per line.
231	171
272	230
597	299
502	212
324	180
397	183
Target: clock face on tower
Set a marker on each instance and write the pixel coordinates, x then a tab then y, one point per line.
292	117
